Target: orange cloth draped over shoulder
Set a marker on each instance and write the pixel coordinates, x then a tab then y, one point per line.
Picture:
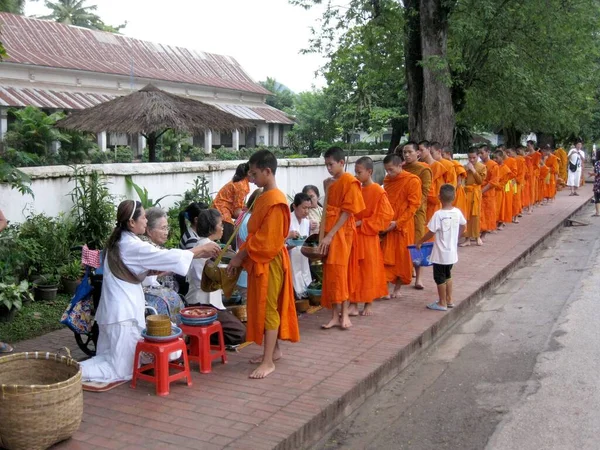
520	179
553	165
375	218
424	173
268	228
545	181
515	198
504	195
561	154
450	175
230	197
526	192
405	194
437	180
460	201
489	215
340	270
536	158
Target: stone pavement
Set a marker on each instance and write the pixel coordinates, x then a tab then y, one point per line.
320	380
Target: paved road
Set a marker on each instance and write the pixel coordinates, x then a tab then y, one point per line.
520	372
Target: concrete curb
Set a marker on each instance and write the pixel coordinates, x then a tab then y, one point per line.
320	424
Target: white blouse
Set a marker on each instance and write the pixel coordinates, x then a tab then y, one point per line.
196	295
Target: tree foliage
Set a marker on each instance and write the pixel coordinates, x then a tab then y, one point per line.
282	97
75	12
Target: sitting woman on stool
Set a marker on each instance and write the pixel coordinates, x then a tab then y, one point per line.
120	314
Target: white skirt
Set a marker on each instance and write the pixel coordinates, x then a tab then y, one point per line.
574	178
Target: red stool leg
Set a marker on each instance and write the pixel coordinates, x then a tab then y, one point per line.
161	372
222	346
136	363
205	359
186	366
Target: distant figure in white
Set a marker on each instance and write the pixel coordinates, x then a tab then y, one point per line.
575	160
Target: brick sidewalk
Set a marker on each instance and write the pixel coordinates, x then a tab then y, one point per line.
319	381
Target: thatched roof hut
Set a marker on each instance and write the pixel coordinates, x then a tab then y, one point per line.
150	112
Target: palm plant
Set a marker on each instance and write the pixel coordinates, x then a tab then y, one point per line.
33	131
12	6
71	12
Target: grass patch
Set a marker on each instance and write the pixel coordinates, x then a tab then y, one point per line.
35	319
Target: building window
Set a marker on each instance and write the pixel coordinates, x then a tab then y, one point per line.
226	139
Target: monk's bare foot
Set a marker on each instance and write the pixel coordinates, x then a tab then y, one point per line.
386	297
277	355
332	323
367	311
419	287
396	294
479	242
262	371
353	310
345	324
465	244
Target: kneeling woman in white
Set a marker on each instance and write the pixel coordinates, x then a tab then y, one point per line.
300	227
120	314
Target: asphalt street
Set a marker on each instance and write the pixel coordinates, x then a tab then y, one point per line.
518	372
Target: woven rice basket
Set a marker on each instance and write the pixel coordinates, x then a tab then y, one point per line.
240	312
41	400
158	325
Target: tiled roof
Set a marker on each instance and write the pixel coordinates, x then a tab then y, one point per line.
51	44
46	98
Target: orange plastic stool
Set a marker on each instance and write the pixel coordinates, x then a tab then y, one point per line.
161	365
200	349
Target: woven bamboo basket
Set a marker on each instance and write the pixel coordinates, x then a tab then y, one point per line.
41	400
302	305
240	312
158	325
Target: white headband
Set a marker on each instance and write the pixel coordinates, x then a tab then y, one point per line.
133	210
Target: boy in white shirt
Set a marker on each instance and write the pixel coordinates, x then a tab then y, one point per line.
447	224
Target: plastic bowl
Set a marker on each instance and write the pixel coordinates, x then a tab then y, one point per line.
198	312
175	333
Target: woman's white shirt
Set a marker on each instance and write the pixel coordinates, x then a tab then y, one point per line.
300	264
196	295
121	301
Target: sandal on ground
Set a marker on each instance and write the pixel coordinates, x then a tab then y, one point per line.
449	305
436	307
5	348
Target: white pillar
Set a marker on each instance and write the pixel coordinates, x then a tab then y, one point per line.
141	144
55	147
235	143
102	141
3	122
207	142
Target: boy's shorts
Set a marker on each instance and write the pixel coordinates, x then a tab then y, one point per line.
596	197
442	273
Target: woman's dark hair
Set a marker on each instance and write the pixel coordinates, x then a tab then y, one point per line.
299	198
128	209
252	197
190	213
207	222
310	187
241	172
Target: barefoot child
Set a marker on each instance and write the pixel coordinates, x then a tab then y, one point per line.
270	304
446	225
371	283
344	200
404	191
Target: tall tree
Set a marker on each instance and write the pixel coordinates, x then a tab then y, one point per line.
12	6
282	97
75	12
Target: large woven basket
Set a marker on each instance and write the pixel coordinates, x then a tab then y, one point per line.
41	400
158	325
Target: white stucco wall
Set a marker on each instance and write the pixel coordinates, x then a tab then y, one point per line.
51	186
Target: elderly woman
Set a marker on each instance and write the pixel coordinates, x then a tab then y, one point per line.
159	293
120	314
230	200
299	227
316	209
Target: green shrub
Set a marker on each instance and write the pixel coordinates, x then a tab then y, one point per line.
100	157
224	154
196	154
124	154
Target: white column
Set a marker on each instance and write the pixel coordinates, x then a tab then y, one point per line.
141	142
102	141
235	143
3	122
207	142
55	147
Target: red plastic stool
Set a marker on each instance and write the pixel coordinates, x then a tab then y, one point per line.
161	365
200	349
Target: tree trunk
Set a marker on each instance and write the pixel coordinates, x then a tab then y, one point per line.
398	130
512	136
430	109
543	139
152	139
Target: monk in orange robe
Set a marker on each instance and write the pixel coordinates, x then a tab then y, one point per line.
512	163
450	175
476	173
526	190
231	199
374	219
270	303
489	187
545	180
404	191
521	175
340	269
561	154
536	158
460	200
504	194
438	171
409	152
553	167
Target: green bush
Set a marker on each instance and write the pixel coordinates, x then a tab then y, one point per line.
196	154
21	159
75	148
124	154
100	157
224	154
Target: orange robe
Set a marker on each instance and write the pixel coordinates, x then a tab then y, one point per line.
489	215
376	217
520	180
230	197
460	201
515	198
424	174
473	191
404	192
450	176
268	229
536	158
437	180
553	166
340	270
545	177
561	154
504	195
526	192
